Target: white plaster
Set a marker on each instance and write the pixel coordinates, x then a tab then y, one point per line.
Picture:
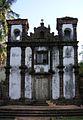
55	59
55	77
28	57
68	60
14	83
13	27
69	76
28	86
15	56
70	26
55	85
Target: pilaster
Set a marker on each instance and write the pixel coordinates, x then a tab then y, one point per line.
32	72
61	71
76	71
60	32
9	33
22	67
74	32
51	61
7	71
32	64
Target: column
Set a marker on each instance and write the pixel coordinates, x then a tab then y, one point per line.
23	67
76	71
32	69
61	70
22	72
60	32
50	70
32	72
7	71
9	33
50	59
74	32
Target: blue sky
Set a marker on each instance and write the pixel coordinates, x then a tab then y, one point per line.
49	10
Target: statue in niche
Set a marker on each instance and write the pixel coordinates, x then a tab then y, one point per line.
69	82
68	52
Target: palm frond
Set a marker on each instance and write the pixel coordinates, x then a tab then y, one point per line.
11	1
13	14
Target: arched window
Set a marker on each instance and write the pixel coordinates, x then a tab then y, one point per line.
67	34
17	34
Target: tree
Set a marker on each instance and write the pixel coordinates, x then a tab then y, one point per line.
2	54
5	13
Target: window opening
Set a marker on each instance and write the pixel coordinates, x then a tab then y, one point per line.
67	34
42	57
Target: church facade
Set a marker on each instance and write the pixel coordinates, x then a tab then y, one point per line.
42	66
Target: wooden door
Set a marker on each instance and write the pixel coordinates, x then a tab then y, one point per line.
42	89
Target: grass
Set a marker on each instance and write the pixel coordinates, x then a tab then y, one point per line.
68	118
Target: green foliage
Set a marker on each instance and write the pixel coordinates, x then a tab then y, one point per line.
2	53
81	68
68	118
5	13
2	36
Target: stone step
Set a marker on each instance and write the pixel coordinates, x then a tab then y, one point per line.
32	118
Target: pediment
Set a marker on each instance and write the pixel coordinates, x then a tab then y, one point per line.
42	33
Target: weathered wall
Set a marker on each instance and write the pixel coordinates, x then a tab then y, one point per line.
15	77
55	78
69	76
28	78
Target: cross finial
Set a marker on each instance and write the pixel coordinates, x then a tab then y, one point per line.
42	20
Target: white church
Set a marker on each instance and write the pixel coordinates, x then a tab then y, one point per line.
42	66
